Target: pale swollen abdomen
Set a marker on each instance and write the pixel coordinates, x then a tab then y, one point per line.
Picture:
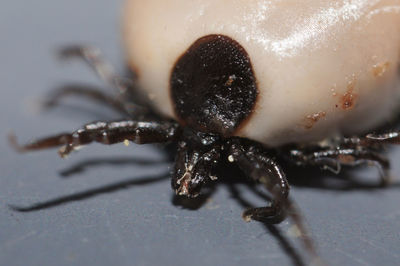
322	67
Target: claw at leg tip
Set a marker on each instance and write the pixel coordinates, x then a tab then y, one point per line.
246	217
12	139
63	152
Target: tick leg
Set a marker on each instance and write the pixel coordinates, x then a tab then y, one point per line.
105	133
374	139
88	92
93	57
333	159
261	168
133	103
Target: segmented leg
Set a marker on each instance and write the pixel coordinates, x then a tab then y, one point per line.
93	57
257	164
374	139
132	102
333	159
87	92
262	168
106	133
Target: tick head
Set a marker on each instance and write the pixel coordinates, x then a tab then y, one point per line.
194	165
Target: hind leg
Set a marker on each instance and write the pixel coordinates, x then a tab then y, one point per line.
346	154
86	92
94	59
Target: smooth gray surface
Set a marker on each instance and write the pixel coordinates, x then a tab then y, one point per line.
139	224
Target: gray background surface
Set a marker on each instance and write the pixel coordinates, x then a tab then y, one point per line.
127	214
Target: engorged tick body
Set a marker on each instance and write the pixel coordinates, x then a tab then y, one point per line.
323	68
247	82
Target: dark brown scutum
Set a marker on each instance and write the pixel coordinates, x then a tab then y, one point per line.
213	86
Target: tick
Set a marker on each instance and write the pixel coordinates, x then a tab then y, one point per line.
248	83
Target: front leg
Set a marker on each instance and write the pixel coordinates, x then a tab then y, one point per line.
253	160
256	163
105	133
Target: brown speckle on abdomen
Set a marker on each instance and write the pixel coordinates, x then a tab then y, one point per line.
348	99
311	120
379	70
